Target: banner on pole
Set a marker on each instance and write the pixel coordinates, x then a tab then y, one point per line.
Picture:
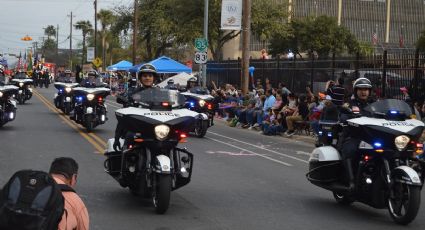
231	14
90	54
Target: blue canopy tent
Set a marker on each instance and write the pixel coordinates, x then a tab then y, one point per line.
165	65
122	65
135	69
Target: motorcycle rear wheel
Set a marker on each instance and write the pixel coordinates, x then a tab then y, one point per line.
404	207
162	194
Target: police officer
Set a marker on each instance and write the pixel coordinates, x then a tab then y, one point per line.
362	88
146	76
91	81
191	83
170	84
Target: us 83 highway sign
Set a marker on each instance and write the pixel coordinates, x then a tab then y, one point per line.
201	57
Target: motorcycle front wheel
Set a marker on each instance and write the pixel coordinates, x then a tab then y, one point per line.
162	193
89	124
201	129
404	205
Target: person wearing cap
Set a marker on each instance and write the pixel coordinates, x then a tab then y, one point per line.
147	76
348	146
170	84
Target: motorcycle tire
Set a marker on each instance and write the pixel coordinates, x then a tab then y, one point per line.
343	199
162	194
410	196
201	129
21	100
67	109
89	124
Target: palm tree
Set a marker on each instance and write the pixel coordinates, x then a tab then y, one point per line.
50	31
86	28
106	18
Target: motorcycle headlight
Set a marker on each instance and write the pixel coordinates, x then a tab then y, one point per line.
1	94
161	132
202	103
21	84
401	142
68	89
90	96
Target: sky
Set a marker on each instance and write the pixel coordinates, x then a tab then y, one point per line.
29	17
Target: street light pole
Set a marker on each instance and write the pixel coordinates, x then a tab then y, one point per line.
246	37
204	66
95	28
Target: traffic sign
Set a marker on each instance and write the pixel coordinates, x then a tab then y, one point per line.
201	44
201	57
97	62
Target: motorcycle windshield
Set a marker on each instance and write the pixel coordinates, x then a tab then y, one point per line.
391	106
157	96
199	90
20	76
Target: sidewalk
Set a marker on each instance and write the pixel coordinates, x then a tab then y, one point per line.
303	138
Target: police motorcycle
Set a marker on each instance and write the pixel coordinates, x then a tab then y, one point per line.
24	84
199	100
150	163
63	99
387	175
7	104
89	106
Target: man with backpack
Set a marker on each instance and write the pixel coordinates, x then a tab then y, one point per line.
64	171
36	200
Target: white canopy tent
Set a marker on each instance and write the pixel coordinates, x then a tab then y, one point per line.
179	79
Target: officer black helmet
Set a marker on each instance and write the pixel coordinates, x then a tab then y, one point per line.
92	73
191	80
147	68
170	82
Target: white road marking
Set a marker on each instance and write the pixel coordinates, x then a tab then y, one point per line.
272	151
303	153
241	153
248	151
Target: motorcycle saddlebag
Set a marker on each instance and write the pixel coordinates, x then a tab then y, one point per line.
325	165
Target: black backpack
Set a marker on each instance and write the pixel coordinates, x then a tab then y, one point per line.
32	200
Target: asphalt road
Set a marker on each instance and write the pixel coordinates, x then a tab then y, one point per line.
241	179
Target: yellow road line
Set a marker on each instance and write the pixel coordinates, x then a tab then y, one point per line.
96	145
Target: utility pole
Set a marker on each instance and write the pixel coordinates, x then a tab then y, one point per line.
57	42
246	37
339	12
95	28
135	25
387	29
70	41
204	66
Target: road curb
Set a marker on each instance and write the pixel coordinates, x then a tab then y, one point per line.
306	139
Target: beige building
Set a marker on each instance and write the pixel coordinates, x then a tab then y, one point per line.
403	20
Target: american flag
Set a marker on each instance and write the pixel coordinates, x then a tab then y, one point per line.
375	38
